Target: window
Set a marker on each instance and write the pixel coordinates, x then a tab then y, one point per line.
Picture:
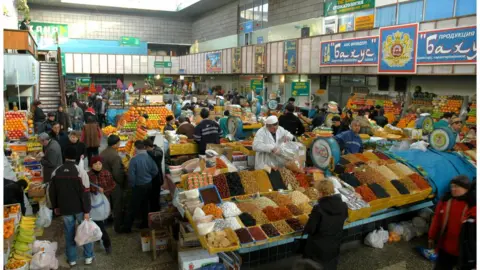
466	7
386	16
438	9
410	12
345	23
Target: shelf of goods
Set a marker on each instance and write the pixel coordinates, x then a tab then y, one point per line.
390	105
472	114
240	210
443	104
156	117
16	124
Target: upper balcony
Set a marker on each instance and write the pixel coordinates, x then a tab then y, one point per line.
19	40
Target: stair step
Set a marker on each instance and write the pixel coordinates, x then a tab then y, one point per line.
49	89
48	84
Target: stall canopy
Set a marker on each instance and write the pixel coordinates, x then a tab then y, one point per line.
440	166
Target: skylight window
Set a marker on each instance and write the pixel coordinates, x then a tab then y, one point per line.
159	5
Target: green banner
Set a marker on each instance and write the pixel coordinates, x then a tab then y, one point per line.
64	71
256	84
301	89
334	7
162	64
83	82
168	80
130	41
48	35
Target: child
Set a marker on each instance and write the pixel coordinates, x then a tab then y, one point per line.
101	181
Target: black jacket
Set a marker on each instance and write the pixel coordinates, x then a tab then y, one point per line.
64	120
157	155
208	131
81	149
325	229
39	115
61	138
97	105
291	123
318	119
13	193
381	120
68	191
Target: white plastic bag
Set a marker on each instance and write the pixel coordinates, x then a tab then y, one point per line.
44	261
100	207
44	216
87	232
426	214
44	246
395	228
376	238
420	145
409	231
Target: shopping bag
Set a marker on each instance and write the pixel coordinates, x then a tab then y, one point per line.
44	216
100	206
43	260
87	232
44	246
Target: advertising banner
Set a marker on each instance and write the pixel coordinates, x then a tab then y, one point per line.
214	61
349	52
364	22
398	49
237	60
290	56
300	89
447	46
130	41
48	35
256	84
260	59
334	7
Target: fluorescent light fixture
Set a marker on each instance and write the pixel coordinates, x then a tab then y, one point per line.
158	5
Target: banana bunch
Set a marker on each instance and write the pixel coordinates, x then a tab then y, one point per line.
24	239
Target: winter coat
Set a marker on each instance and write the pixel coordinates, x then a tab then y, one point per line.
208	131
76	114
447	234
51	160
38	115
325	230
91	135
157	155
81	149
381	120
112	162
292	124
264	143
349	142
64	120
61	138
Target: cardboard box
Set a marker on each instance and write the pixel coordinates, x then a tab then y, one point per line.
161	241
195	259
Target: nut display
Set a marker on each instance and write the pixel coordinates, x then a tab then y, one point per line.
249	182
234	184
244	236
270	230
221	183
282	227
295	224
218	239
257	233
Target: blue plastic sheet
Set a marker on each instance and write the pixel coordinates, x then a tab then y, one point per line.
112	113
440	166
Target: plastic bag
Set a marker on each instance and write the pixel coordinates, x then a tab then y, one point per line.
289	150
100	207
44	246
428	254
402	146
420	145
44	217
409	231
44	261
426	214
420	225
395	228
87	232
376	238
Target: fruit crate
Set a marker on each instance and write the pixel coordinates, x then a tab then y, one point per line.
15	124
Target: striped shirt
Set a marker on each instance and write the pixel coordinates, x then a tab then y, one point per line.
208	131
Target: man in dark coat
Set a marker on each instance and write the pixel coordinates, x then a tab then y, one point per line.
157	155
13	192
325	227
59	135
51	157
63	118
291	122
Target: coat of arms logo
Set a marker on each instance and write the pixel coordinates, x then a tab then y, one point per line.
397	49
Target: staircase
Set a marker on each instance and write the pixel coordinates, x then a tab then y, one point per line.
49	92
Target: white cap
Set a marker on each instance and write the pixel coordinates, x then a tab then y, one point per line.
271	120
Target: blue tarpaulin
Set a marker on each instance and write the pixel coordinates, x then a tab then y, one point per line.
441	167
112	113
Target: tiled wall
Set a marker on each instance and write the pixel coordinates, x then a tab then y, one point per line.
87	24
220	22
287	11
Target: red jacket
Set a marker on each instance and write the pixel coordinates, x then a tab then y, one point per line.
459	211
104	179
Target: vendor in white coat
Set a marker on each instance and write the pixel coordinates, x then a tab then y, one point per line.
266	143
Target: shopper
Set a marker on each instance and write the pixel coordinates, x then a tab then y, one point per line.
25	25
325	226
101	181
362	118
141	171
456	126
223	123
170	123
319	118
97	106
13	192
76	116
185	128
380	118
70	197
347	120
156	154
103	112
451	211
59	135
266	143
349	140
38	117
90	111
63	119
290	121
337	126
51	157
208	131
112	162
445	121
91	136
80	147
50	121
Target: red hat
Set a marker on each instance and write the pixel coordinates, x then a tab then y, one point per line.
95	159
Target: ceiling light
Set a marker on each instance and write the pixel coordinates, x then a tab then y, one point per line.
158	5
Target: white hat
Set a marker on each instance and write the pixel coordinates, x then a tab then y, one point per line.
271	120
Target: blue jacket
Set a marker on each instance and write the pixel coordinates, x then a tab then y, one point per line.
141	169
350	142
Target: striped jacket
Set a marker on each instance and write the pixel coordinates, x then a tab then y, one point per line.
208	131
